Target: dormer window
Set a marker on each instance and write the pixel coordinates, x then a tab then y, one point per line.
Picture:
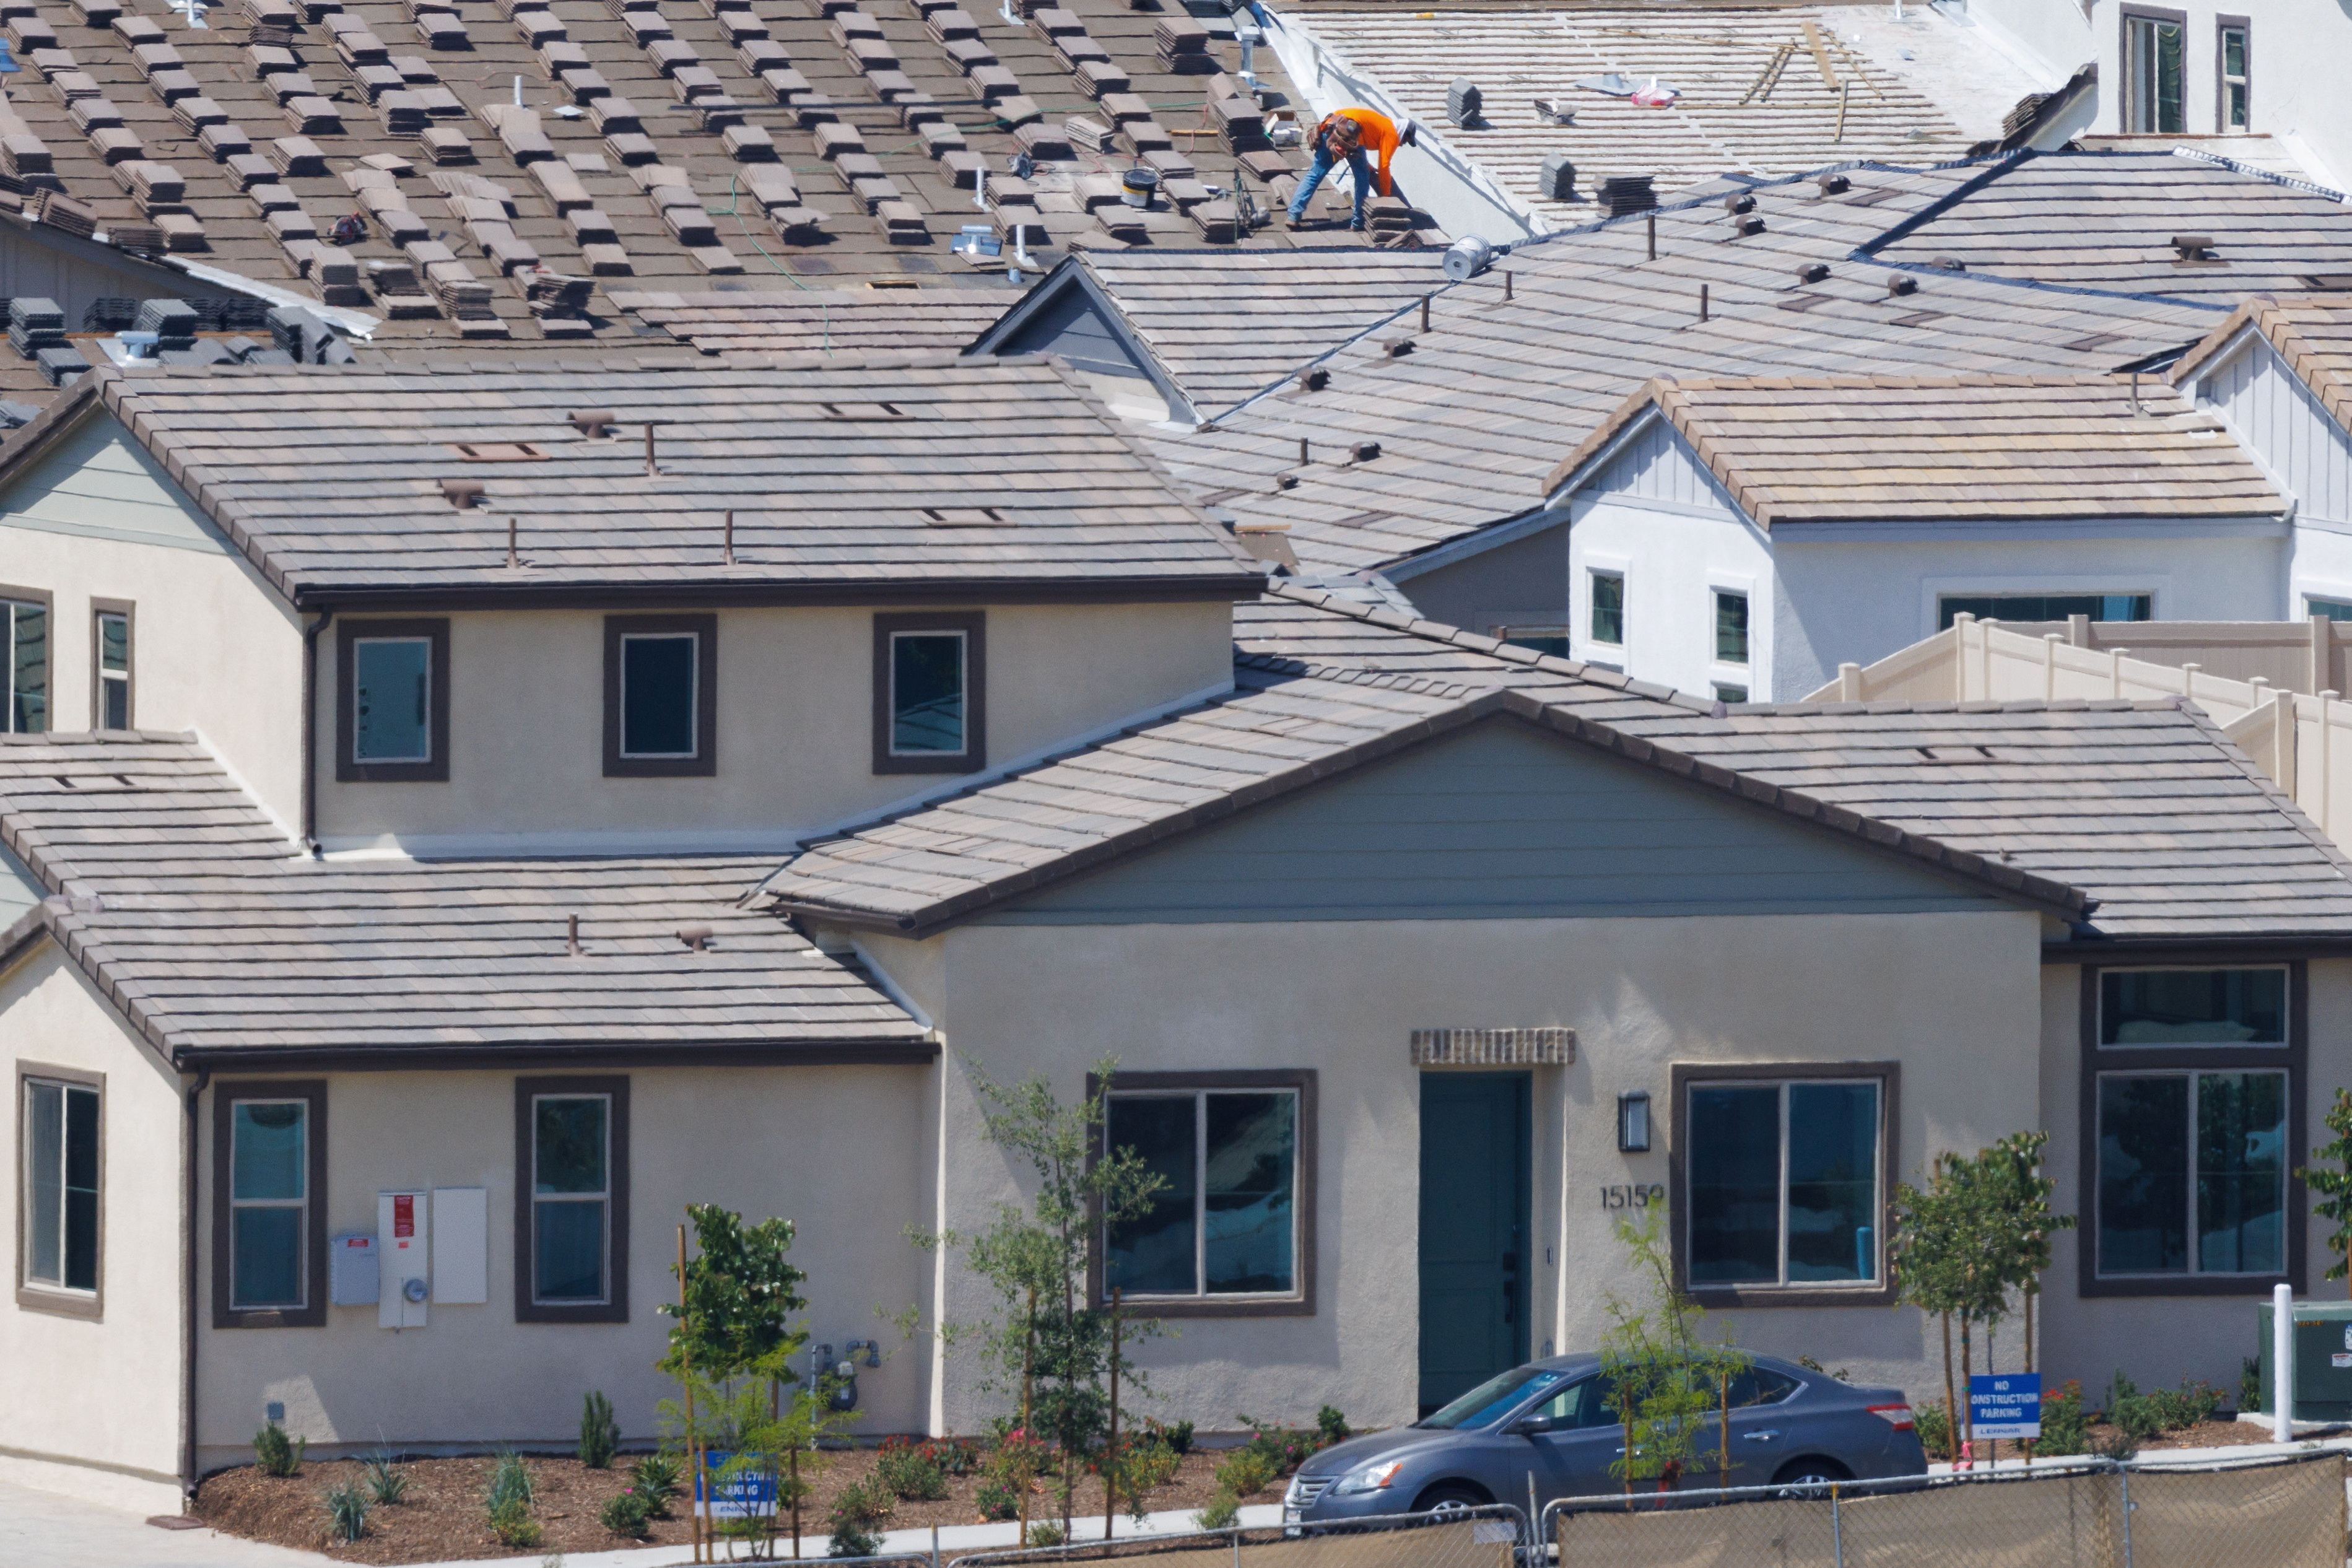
661	680
391	713
929	693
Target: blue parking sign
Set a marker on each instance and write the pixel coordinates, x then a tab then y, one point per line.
2005	1405
747	1494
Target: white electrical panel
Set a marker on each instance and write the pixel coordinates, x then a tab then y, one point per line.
461	1245
351	1270
404	1234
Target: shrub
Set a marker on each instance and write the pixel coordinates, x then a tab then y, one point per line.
386	1482
512	1522
1178	1436
276	1454
1282	1448
854	1540
625	1513
1219	1513
1151	1464
996	1502
510	1482
1045	1533
346	1511
1330	1427
910	1470
1243	1471
2180	1408
2065	1428
2249	1386
2133	1413
656	1479
1935	1424
600	1434
861	1506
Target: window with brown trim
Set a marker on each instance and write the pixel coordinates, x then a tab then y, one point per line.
2155	51
2192	1088
1781	1177
572	1200
269	1205
661	696
25	708
1230	1232
2233	59
110	650
930	692
61	1208
392	707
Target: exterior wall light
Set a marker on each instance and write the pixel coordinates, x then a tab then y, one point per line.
1633	1122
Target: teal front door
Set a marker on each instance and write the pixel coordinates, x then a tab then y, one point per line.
1474	1131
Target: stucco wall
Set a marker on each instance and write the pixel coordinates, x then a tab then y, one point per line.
1523	584
93	1407
795	719
843	1152
1953	997
1673	561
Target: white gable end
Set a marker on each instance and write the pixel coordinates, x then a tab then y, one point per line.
2270	409
1656	468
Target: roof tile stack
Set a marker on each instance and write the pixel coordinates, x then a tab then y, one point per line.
1184	47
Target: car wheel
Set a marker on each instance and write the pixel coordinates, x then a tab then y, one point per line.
1450	1499
1802	1477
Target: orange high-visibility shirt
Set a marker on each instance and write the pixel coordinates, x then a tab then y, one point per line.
1380	136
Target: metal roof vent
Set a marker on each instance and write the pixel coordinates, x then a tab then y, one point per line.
1740	203
1464	259
1315	380
594	424
1747	226
1948	263
2194	250
1464	103
694	937
463	494
1835	184
1812	272
1901	283
1364	451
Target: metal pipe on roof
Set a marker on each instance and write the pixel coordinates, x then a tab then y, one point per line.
514	561
1653	237
1425	311
653	468
727	545
1702	302
310	728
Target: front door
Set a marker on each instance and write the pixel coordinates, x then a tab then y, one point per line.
1474	1132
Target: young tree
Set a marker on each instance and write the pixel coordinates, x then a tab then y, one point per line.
1664	1379
2019	1204
2332	1180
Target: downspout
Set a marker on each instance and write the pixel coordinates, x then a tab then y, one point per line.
188	1477
310	730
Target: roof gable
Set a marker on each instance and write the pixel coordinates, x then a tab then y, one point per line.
1500	819
2312	335
92	478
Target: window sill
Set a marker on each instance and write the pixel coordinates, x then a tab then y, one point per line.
929	763
61	1303
1716	1297
1211	1306
2245	1286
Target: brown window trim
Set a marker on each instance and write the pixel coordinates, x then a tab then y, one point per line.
974	624
2294	1056
2222	126
47	601
1301	1304
1686	1074
57	1301
314	1285
434	769
2125	16
615	1311
129	611
704	764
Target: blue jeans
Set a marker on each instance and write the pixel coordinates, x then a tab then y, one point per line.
1357	165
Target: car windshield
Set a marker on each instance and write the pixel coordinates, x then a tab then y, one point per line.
1496	1397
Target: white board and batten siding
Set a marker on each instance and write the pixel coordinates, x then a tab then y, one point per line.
2267	406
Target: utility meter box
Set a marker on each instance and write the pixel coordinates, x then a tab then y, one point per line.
404	1241
2323	1361
350	1270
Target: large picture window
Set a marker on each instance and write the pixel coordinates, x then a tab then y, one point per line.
60	1145
929	693
661	701
269	1175
571	1154
392	714
1783	1176
1231	1226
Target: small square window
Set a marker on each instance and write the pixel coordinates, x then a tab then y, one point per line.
392	717
1730	627
930	693
1609	608
110	655
661	702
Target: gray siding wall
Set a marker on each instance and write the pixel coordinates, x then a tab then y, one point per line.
1068	325
1502	821
1524	582
1658	466
2276	414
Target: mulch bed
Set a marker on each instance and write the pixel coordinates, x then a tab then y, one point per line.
442	1517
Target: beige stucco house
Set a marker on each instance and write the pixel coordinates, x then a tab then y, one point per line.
458	820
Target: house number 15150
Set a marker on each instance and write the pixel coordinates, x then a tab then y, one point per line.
1636	1196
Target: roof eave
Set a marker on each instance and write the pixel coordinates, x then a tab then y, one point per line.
876	1050
1226	586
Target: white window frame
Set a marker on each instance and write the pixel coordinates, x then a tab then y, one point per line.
424	758
602	1196
1876	1280
693	698
301	1206
1201	1291
963	691
1595	568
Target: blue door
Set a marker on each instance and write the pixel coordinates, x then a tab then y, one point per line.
1475	1181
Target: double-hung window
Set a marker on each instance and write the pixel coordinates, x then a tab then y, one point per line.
2155	43
26	623
572	1200
661	696
2191	1087
929	693
110	666
2232	74
270	1240
1229	1224
1784	1172
61	1157
392	717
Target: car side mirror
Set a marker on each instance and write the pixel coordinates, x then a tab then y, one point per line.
1535	1425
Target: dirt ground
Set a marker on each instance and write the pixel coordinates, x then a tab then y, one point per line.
442	1517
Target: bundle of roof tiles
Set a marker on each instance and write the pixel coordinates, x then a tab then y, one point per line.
1184	47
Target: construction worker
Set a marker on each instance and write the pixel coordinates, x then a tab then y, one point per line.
1348	135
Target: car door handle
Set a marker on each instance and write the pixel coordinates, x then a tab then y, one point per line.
1759	1436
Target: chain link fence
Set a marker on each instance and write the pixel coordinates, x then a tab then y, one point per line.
2280	1513
1488	1537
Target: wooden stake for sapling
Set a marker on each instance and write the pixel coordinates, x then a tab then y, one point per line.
1110	1453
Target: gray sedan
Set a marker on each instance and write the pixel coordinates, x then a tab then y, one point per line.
1548	1422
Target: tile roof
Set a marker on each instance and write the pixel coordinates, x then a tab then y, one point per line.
946	476
185	905
652	144
2107	220
1803	448
1522	362
820	321
1757	91
2313	335
2138	821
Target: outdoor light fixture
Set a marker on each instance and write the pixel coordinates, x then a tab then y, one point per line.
1633	1122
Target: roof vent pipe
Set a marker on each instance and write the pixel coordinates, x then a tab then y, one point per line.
513	559
1900	283
1702	302
1812	272
727	541
1464	259
463	494
653	468
697	938
572	935
594	424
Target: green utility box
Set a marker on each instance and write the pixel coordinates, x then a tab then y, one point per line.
2323	1361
